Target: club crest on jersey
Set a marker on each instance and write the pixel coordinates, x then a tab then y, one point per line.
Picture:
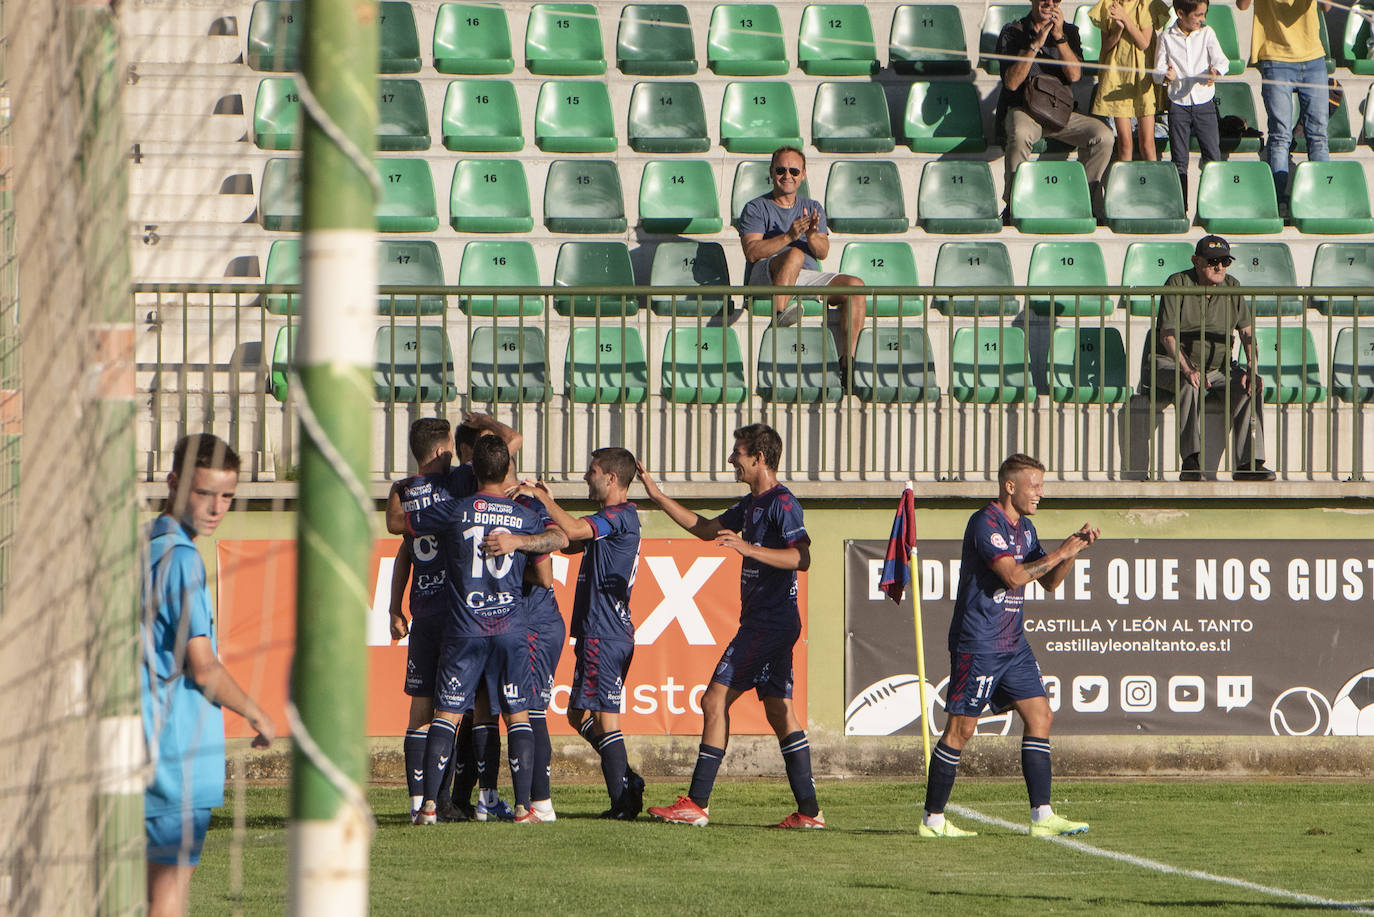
998	541
479	505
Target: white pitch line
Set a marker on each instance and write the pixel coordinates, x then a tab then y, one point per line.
1155	865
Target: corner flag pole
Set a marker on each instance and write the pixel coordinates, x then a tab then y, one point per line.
912	559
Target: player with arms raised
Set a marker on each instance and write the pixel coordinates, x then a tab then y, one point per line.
484	539
991	664
766	529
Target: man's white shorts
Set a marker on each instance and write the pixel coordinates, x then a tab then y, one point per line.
759	276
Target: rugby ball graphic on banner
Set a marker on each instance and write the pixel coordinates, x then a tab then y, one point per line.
886	706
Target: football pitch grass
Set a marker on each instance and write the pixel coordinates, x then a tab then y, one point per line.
1176	846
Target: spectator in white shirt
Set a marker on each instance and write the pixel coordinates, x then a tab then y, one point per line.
1188	60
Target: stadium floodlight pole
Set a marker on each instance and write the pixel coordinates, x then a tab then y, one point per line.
330	828
913	563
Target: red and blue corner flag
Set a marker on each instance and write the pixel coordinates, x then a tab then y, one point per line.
900	546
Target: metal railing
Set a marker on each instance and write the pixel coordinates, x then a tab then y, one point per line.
938	387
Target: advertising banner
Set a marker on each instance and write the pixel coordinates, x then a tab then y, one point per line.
1172	637
685	607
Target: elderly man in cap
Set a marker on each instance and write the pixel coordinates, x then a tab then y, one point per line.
1192	356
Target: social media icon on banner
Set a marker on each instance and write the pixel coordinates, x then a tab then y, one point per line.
1090	693
1187	693
1234	691
1051	683
1138	693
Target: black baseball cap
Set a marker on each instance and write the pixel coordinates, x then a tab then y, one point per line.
1213	247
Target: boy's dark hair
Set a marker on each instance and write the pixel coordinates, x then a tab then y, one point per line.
1017	462
617	461
490	459
425	434
759	438
1184	7
202	450
466	435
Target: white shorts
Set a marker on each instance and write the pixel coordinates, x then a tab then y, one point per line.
759	276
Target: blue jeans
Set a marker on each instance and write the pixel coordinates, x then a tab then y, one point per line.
1281	79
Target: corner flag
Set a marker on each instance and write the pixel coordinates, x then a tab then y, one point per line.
901	545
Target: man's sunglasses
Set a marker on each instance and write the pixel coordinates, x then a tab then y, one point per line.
1221	262
787	170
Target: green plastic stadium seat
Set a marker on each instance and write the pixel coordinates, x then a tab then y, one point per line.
1088	366
489	195
1088	33
413	365
584	196
667	118
958	196
1325	36
1289	365
865	196
1236	99
703	366
413	263
403	123
1340	138
851	118
1144	198
283	267
988	366
686	264
927	39
996	16
1051	197
1331	198
499	264
594	264
679	196
974	264
472	38
758	117
894	365
276	30
605	365
482	116
943	118
798	365
283	355
1352	365
1149	264
508	365
1054	265
1369	116
1354	50
751	180
1222	19
745	39
1236	197
564	39
407	204
1343	264
574	116
655	39
884	264
1266	264
836	39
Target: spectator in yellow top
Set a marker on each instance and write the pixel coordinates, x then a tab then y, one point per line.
1125	89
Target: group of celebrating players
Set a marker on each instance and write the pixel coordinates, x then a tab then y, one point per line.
486	633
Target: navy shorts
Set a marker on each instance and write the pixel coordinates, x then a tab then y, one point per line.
991	680
422	654
598	682
501	662
546	646
175	838
759	659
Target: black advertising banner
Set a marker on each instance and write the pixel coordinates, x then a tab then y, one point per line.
1169	637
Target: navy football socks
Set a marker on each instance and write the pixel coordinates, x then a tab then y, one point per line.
464	767
704	774
438	751
944	766
520	738
1035	767
414	751
543	755
487	761
796	757
614	763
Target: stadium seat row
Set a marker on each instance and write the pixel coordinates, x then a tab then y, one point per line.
742	40
861	196
606	364
1053	266
575	116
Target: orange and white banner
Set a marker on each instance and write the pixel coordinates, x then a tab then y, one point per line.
685	607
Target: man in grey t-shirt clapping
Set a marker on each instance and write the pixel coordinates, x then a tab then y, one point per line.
784	237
